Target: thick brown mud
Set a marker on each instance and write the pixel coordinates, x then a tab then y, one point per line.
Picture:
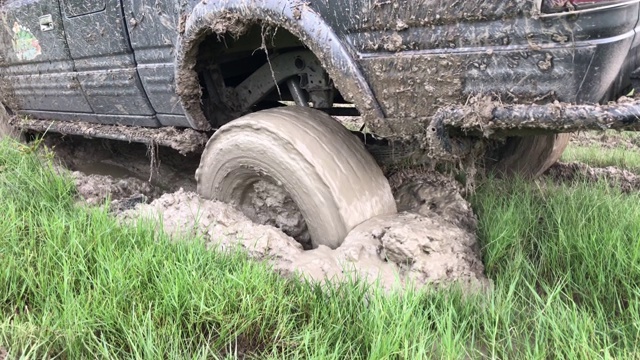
431	243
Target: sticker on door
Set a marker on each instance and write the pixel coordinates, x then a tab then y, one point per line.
25	45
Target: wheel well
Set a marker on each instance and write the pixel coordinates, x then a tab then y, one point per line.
231	70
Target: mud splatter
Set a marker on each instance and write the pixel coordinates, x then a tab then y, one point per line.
183	140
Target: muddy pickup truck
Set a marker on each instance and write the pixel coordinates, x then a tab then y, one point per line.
256	86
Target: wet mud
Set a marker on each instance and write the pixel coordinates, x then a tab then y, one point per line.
96	189
269	204
110	161
431	243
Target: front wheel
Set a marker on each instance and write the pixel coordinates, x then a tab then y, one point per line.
298	169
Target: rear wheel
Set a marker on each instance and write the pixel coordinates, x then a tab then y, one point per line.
274	163
527	156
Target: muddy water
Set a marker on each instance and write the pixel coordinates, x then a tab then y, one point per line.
102	168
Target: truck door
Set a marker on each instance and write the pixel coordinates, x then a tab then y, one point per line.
99	44
153	31
36	70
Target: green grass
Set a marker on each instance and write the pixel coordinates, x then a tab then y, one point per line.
601	157
75	284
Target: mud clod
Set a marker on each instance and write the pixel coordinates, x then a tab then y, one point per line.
433	194
223	227
269	204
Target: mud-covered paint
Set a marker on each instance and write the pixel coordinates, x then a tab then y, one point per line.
415	56
47	82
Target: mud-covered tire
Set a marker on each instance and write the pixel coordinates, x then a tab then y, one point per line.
527	156
327	172
6	130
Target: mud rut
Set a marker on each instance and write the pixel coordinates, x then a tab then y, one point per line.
432	240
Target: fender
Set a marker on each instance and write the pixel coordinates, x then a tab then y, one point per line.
235	16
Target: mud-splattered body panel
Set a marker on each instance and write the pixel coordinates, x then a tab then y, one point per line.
103	61
133	61
36	68
421	55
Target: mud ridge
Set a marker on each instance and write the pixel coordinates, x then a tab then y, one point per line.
575	171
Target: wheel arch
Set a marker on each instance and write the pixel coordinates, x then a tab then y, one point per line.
213	18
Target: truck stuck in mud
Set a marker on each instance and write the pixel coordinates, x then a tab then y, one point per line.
256	88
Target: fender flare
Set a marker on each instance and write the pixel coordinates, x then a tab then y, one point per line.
234	16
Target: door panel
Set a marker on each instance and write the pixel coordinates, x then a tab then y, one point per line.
104	60
36	69
153	32
77	8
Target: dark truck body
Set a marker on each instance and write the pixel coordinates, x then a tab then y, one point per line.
140	62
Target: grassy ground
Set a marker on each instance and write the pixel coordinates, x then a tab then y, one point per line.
599	157
616	155
75	284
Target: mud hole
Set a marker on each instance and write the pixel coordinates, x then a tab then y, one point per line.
431	241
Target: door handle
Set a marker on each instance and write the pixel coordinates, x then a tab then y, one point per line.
46	23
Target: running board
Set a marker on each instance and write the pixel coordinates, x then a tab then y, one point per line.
183	140
491	119
451	130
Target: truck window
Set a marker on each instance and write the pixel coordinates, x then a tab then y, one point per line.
74	8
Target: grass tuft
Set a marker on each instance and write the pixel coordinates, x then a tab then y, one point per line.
596	156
